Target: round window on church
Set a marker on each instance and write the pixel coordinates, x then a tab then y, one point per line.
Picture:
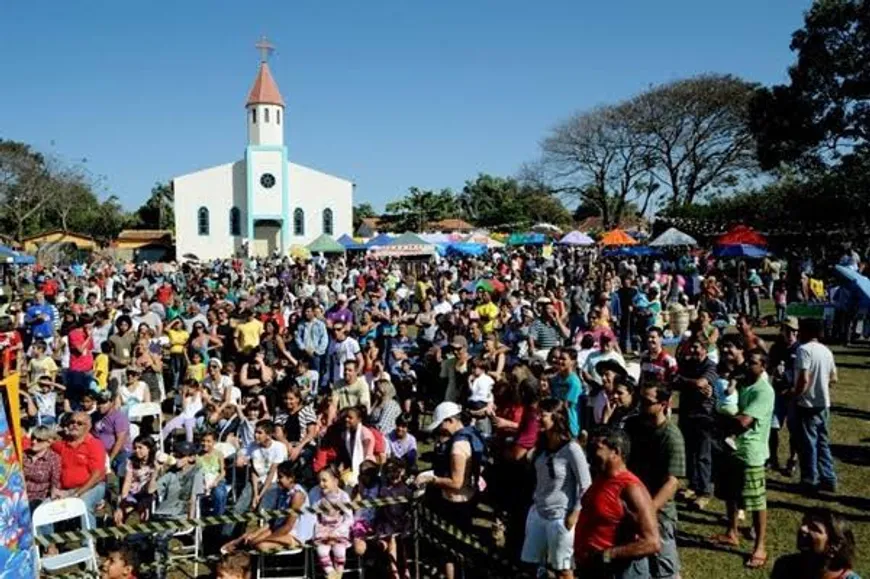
267	180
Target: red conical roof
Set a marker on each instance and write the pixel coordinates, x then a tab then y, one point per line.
265	90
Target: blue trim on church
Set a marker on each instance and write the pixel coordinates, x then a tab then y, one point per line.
286	223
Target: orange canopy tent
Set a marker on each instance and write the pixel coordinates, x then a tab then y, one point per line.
742	235
617	237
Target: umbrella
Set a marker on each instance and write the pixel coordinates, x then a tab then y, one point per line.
546	228
617	237
673	237
299	252
742	235
576	238
489	284
740	250
857	281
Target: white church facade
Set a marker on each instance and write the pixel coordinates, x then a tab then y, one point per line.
262	203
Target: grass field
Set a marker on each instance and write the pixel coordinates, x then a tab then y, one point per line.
850	430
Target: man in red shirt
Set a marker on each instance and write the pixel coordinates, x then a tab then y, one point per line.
617	498
81	360
82	464
656	365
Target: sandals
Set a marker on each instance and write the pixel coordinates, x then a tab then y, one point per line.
725	541
756	562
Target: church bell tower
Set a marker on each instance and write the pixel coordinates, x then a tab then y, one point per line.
265	107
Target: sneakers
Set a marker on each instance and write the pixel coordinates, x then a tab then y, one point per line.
701	503
688	494
828	487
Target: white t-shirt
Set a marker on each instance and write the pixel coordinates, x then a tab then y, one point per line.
341	352
481	389
818	360
263	458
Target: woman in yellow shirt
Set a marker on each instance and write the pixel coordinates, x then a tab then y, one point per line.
178	338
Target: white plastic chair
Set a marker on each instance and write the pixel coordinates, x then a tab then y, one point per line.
51	512
304	531
144	409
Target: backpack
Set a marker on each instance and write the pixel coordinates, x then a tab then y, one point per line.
479	454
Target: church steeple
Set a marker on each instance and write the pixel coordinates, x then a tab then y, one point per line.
265	106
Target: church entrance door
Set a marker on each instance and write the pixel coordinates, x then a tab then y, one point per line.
267	238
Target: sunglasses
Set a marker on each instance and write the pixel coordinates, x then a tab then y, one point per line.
77	422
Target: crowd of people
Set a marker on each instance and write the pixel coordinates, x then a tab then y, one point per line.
544	385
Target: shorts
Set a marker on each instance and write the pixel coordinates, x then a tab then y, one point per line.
666	563
548	542
458	514
743	484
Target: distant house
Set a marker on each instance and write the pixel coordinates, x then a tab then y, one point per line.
450	226
627	222
33	243
145	245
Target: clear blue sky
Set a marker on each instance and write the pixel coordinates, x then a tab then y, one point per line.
388	93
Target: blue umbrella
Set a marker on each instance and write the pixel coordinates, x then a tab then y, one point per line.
740	250
859	282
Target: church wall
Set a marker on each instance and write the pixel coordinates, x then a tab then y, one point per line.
313	191
266	203
213	189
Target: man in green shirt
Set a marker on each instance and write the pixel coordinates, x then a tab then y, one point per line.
658	458
744	483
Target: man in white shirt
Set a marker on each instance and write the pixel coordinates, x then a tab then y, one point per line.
815	372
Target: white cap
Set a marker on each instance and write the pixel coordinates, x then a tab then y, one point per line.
442	412
341	298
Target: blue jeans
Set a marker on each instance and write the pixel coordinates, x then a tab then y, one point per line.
698	434
219	499
814	450
268	502
92	498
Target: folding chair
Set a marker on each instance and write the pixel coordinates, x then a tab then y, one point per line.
304	531
145	409
51	512
193	551
228	451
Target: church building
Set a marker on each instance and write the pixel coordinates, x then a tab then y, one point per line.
262	203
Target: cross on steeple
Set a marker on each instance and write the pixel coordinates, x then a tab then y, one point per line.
265	47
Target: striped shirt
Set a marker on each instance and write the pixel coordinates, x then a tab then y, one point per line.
546	336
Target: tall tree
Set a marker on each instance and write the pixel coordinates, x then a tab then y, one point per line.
823	113
362	211
26	185
497	202
421	207
598	159
157	212
696	134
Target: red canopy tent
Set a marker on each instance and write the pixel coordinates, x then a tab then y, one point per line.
742	235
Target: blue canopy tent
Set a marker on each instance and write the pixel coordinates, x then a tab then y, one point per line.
465	249
350	244
381	240
740	250
9	255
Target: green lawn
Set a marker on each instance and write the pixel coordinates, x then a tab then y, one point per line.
850	425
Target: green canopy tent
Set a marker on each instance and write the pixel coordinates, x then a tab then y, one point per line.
325	245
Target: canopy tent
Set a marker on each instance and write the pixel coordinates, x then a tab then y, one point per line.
617	237
856	282
526	239
9	255
406	245
484	239
469	249
436	238
326	245
546	228
742	235
379	241
673	237
350	244
576	238
740	250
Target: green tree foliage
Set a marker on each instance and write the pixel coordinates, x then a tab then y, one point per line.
823	114
497	202
362	211
157	212
419	208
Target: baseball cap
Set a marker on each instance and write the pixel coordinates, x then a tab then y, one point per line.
183	449
792	323
442	412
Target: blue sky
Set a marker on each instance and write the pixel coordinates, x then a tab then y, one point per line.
388	93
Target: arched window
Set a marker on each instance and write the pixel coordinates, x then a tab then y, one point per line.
265	115
327	221
278	116
254	116
235	221
202	221
298	222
